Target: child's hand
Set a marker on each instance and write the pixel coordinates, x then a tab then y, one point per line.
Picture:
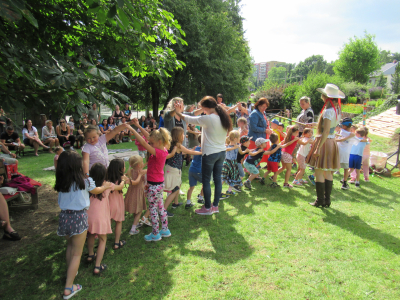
142	172
125	179
178	145
107	185
279	146
296	138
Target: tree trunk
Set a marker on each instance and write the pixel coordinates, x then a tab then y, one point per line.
155	98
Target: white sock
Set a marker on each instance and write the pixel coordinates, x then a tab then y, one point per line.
133	228
188	201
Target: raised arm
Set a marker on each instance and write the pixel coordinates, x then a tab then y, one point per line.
139	138
137	124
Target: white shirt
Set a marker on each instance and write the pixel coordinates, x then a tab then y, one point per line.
305	149
335	119
213	135
30	133
345	146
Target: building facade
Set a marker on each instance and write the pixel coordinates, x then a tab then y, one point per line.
261	69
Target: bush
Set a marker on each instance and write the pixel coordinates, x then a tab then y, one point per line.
274	96
376	92
375	103
355	89
289	95
353	108
352	100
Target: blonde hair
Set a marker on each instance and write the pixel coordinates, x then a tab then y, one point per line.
90	129
134	160
366	130
162	135
49	121
305	99
234	134
320	127
58	148
171	103
361	131
242	119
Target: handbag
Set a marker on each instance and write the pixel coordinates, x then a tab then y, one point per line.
6	190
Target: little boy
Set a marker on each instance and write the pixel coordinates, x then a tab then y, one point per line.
243	150
278	130
243	128
255	157
345	142
194	177
356	154
273	160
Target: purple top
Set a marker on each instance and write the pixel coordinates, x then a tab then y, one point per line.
97	153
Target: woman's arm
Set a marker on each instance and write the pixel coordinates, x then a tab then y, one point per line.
194	132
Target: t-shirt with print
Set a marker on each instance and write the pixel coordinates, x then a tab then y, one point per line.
155	166
9	138
98	153
127	112
345	146
175	161
195	166
241	156
178	123
254	160
277	155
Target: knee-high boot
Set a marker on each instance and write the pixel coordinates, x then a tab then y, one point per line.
328	191
320	187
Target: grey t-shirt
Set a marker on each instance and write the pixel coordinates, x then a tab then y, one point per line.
93	114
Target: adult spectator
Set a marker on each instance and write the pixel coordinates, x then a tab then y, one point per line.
111	125
80	137
161	118
9	232
148	119
7	156
242	112
220	99
93	122
117	115
93	114
104	128
142	122
49	136
11	139
153	124
258	127
306	115
64	134
31	137
127	112
216	124
125	132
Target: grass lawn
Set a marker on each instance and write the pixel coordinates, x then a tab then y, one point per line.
264	244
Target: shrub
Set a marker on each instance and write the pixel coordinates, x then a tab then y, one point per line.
353	108
376	92
375	103
355	89
352	100
274	96
289	94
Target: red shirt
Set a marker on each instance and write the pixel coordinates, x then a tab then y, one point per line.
289	149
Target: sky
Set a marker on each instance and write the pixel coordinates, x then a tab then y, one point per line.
292	30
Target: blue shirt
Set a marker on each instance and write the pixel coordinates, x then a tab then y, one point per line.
257	125
276	156
161	122
358	149
232	155
195	167
76	199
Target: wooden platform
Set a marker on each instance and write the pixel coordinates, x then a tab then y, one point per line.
384	124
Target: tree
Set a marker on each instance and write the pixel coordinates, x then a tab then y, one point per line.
314	61
381	81
387	57
396	80
277	74
358	59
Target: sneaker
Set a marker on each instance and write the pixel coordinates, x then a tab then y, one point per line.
199	196
215	209
357	184
296	182
287	185
303	181
345	186
232	193
169	214
181	192
133	232
152	238
204	211
201	201
187	206
237	188
262	181
247	184
352	181
223	196
176	205
140	225
274	185
259	178
165	233
311	177
341	181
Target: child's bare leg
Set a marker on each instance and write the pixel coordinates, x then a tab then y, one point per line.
267	173
170	198
100	250
358	175
90	243
300	174
288	170
274	177
118	230
176	199
189	193
346	174
252	176
281	169
136	219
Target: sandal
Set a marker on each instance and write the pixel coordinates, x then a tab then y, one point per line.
3	224
145	221
11	236
91	258
73	293
119	245
101	269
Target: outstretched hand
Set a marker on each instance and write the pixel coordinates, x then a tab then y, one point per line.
135	122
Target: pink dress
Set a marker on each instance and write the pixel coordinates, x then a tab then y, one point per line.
99	214
135	200
117	212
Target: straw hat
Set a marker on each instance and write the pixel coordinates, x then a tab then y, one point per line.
332	91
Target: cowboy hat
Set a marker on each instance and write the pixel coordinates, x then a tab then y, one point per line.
332	91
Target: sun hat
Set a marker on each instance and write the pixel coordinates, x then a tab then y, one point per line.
331	91
261	141
275	121
245	139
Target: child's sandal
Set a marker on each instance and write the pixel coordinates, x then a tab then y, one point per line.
101	269
91	258
73	293
119	245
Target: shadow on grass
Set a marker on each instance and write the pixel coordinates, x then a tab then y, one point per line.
357	226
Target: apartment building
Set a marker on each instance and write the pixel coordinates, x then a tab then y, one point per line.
262	69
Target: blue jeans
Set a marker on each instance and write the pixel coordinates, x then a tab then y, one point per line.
212	164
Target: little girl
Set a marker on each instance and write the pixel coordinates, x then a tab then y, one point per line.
365	159
99	217
230	170
243	127
95	149
58	150
142	150
287	159
73	198
158	141
115	174
135	201
304	149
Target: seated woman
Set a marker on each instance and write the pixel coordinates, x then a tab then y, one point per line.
104	128
93	122
64	134
49	136
80	133
31	137
9	233
111	126
124	133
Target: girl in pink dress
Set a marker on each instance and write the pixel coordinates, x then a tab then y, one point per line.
115	174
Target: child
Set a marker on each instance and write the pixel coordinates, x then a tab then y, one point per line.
278	130
273	160
142	150
73	198
345	141
158	141
115	174
254	158
356	154
99	217
365	160
135	200
243	150
58	150
95	149
290	141
173	178
194	176
243	127
304	149
230	171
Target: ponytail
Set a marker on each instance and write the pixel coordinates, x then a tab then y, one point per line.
289	135
209	102
165	137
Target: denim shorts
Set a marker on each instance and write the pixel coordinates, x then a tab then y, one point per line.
251	168
194	178
241	171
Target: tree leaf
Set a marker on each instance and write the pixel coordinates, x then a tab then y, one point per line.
9	11
104	74
124	19
121	3
112	12
101	17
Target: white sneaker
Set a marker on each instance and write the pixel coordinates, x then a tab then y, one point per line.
181	193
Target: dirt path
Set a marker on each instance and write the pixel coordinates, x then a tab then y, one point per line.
33	225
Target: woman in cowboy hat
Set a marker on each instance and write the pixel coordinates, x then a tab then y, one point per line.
324	154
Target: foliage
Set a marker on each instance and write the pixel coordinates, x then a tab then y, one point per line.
376	92
355	89
289	95
396	80
309	88
353	108
275	96
387	57
289	68
382	81
65	53
314	62
376	103
277	74
352	100
358	59
389	103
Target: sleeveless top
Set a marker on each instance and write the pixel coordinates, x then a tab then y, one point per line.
118	115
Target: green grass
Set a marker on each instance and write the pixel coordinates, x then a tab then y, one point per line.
264	244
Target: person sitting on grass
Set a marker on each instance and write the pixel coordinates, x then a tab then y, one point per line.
125	132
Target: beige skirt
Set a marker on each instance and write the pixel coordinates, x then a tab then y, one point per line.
172	178
328	160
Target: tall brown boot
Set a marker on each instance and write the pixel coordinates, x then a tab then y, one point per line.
328	191
320	187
